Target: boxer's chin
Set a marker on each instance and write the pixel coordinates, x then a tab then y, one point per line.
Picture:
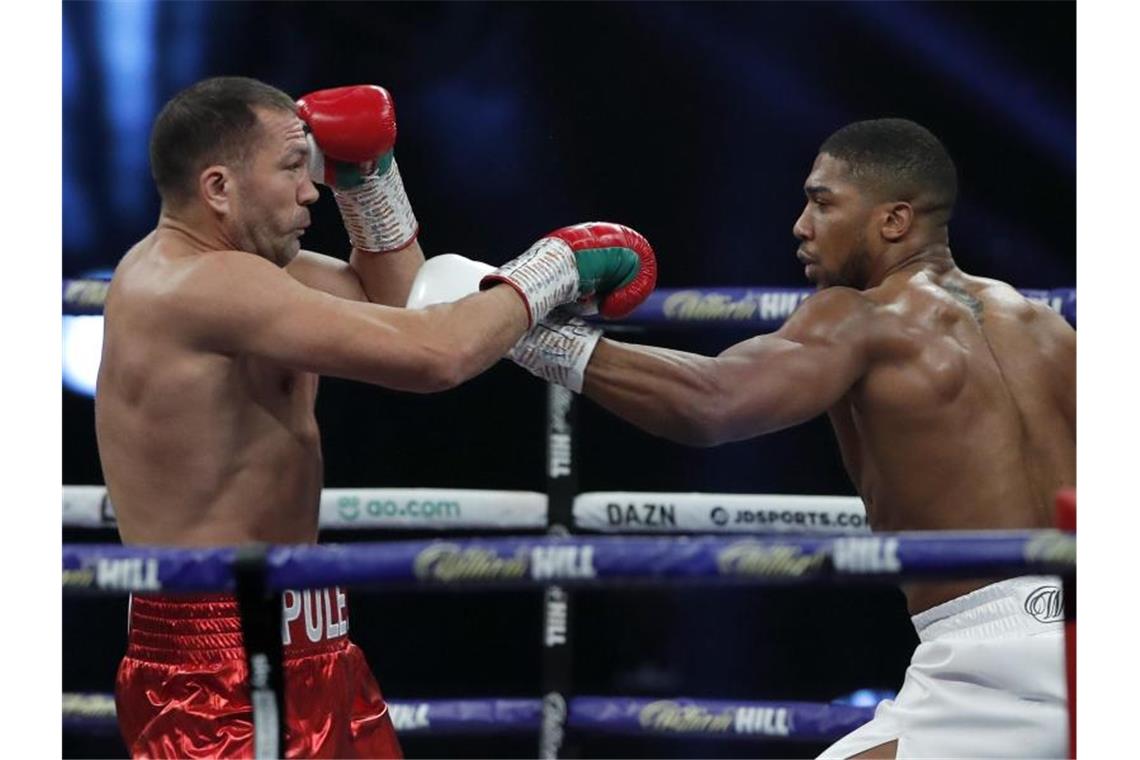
285	251
817	276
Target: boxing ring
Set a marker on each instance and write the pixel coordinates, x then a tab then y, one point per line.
593	539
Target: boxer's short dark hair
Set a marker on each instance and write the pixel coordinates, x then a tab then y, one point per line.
897	159
211	122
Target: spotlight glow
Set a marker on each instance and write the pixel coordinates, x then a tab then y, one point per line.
82	348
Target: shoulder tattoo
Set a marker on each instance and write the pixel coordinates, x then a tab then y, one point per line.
963	296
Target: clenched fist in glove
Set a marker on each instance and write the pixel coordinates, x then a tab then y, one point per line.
352	131
558	347
598	264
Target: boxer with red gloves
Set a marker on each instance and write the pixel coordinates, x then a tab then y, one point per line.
217	327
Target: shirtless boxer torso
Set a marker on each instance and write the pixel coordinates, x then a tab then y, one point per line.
952	396
953	401
216	329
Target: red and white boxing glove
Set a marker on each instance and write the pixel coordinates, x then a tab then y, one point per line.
352	131
557	349
602	265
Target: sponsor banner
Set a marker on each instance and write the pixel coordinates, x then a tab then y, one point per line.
87	507
717	718
507	560
431	508
867	555
556	617
385	508
758	721
466	716
648	512
522	561
570	561
764	309
84	297
980	554
116	568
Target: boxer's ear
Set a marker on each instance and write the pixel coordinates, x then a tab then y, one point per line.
897	219
216	187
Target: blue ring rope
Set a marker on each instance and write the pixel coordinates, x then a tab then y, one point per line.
759	308
626	716
581	560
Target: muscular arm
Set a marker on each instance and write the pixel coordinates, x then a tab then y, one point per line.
387	277
274	316
758	386
379	278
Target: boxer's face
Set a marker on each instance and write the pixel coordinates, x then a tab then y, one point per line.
833	227
274	190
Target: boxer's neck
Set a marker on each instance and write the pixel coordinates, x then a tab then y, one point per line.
200	235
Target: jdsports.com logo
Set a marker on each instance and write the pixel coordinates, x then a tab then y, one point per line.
792	518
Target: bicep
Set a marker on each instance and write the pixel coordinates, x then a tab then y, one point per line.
327	274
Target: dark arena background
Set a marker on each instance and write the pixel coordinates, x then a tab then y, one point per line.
696	124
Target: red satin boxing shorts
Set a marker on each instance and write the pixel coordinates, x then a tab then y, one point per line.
183	689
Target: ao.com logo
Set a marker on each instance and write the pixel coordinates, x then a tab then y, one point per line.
1046	604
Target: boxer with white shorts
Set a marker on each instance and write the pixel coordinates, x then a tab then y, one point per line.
988	673
953	401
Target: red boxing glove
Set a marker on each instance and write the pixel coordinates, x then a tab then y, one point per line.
599	247
352	125
352	131
596	262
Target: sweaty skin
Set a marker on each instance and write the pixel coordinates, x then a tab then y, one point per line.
216	329
952	397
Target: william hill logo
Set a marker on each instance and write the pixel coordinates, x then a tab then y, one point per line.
712	305
127	574
451	562
670	716
117	573
749	558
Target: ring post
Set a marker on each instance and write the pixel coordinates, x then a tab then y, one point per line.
261	633
561	487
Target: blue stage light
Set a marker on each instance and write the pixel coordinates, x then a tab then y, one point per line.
82	348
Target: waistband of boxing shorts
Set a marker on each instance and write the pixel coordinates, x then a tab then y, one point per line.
1015	607
199	628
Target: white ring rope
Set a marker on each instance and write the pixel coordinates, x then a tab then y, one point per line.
445	509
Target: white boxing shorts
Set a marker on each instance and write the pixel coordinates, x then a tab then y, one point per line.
987	679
